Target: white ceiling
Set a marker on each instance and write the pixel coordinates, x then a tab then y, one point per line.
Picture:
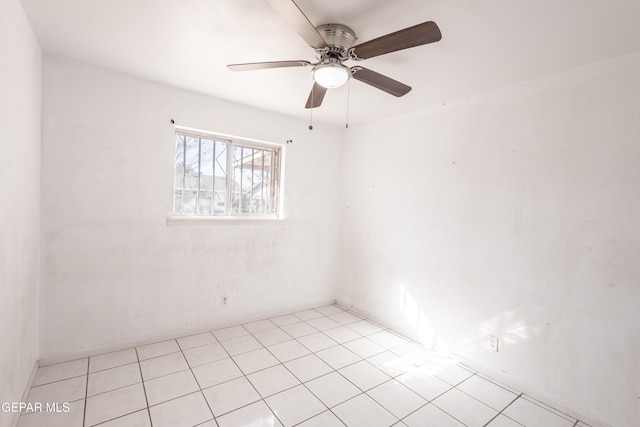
187	43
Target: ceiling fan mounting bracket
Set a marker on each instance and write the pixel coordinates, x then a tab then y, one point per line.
339	39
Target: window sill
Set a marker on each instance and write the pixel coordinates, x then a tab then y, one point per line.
178	220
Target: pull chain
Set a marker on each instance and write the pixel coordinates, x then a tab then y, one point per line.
348	98
311	109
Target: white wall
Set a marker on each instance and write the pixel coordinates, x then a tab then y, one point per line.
512	213
113	270
20	106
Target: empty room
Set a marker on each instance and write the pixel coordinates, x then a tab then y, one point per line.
320	213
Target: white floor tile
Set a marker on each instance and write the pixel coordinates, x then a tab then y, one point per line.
317	342
295	405
390	363
487	392
210	423
364	327
288	350
255	360
287	319
112	360
307	346
364	347
157	349
365	412
323	323
332	389
186	411
338	357
205	354
396	398
255	415
259	326
342	334
464	408
137	419
512	390
228	333
241	345
73	418
300	329
59	391
345	318
424	382
547	407
272	336
530	414
328	310
453	374
308	314
502	421
217	372
61	371
325	419
308	367
192	341
413	353
111	379
430	415
113	404
364	375
170	386
163	365
386	339
273	380
231	395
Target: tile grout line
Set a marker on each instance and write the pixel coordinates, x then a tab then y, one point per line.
86	393
456	388
306	387
144	389
503	409
303	383
548	408
430	401
336	370
262	399
197	383
294	375
484	403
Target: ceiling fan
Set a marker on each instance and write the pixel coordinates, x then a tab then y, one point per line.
332	44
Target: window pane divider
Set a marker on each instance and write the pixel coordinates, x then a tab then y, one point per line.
261	204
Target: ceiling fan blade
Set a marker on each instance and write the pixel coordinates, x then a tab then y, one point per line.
380	81
316	96
290	12
264	65
427	32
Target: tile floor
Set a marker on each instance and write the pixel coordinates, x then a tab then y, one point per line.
320	367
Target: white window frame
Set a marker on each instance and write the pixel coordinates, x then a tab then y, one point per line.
278	151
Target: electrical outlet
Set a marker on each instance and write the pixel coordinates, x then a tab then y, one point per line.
493	343
224	301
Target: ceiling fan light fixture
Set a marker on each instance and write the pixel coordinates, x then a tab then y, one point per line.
331	75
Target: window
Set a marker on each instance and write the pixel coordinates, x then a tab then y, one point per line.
224	177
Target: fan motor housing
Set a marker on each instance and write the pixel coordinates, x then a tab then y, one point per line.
337	35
